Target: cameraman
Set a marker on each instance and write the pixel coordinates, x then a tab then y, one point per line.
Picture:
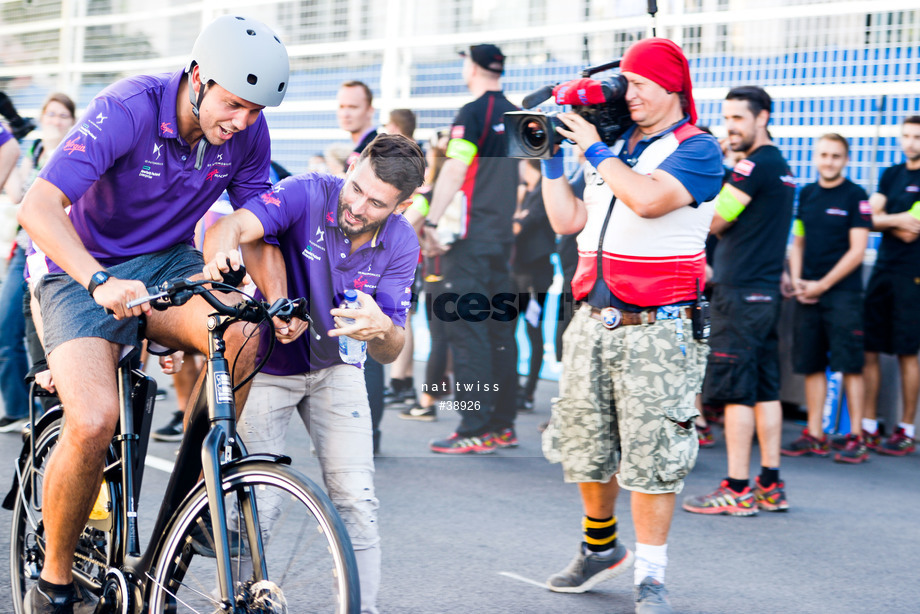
631	365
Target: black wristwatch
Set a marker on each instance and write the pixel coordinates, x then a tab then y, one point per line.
98	278
430	224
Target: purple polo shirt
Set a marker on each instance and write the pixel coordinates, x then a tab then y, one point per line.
299	215
4	136
132	179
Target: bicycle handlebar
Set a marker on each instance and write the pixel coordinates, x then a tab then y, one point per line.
175	292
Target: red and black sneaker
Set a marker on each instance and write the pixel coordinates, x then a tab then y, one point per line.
723	500
854	452
806	445
456	444
704	434
872	440
505	438
899	444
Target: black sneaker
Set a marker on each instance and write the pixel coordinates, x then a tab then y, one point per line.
417	412
202	537
10	425
37	601
172	431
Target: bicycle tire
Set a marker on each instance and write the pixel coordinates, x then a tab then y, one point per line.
27	536
311	577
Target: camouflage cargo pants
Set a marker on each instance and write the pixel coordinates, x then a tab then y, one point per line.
626	404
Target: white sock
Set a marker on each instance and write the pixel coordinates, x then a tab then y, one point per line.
908	429
651	561
870	426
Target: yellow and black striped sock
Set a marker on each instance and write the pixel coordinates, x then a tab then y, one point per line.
600	534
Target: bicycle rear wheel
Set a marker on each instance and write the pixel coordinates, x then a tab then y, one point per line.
27	538
306	549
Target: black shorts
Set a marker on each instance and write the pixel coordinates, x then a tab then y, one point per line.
892	312
833	325
743	365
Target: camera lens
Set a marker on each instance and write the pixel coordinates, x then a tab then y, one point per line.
534	134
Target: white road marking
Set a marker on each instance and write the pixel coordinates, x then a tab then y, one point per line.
162	464
514	576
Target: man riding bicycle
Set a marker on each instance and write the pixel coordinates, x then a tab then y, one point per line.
153	153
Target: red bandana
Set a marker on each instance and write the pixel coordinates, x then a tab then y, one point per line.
663	62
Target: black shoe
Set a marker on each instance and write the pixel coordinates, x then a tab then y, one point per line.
202	537
161	394
172	431
417	412
10	425
37	601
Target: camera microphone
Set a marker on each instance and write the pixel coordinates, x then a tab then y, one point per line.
534	98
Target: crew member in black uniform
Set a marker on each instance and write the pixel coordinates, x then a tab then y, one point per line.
753	214
830	230
476	267
893	291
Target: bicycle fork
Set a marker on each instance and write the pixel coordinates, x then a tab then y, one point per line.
221	445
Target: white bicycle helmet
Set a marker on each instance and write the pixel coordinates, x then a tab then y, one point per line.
244	57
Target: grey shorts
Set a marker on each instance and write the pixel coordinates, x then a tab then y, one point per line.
626	404
69	312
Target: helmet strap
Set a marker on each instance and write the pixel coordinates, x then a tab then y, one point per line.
196	104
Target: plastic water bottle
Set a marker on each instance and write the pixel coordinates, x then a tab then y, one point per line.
352	351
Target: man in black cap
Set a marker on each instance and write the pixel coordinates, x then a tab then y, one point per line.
478	182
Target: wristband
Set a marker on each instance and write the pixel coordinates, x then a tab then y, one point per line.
597	153
554	168
430	224
915	210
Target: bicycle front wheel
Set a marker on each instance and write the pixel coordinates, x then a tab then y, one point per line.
308	555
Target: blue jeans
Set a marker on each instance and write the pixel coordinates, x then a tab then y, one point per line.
14	362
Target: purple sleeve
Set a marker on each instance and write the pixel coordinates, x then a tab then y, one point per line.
280	207
91	147
4	136
394	290
252	177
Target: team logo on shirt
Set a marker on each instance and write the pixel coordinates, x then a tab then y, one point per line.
321	234
912	188
835	211
86	131
457	132
212	174
865	208
268	197
360	283
330	216
788	181
72	145
156	150
499	128
167	128
744	167
100	118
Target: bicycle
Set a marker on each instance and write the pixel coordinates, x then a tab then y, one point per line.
193	564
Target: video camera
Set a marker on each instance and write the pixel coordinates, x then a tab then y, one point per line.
533	134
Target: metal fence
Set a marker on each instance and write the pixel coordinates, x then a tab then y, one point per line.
828	64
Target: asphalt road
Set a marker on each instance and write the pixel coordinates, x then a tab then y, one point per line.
466	534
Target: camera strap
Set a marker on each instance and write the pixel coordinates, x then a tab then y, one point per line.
600	241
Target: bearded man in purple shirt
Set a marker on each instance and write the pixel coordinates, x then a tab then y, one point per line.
152	154
334	235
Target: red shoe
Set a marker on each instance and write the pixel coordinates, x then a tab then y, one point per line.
505	438
723	501
455	444
854	452
899	444
806	445
704	433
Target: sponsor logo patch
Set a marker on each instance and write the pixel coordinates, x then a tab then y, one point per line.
835	211
72	145
744	167
912	188
268	198
457	132
865	208
166	127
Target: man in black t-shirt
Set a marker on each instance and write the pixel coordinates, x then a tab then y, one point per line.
753	214
484	182
830	232
893	293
